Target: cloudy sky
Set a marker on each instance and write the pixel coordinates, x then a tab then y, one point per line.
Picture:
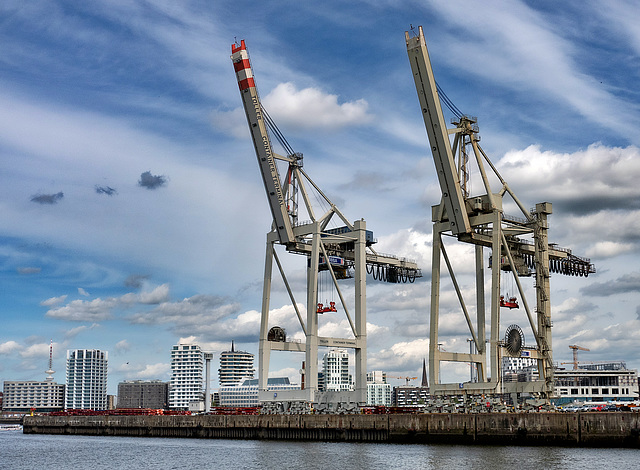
133	214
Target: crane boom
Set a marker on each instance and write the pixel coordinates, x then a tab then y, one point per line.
262	143
437	131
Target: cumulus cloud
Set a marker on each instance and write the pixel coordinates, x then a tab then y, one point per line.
47	198
53	301
149	181
84	310
102	309
609	249
154	297
587	181
402	356
159	371
131	371
8	347
83	292
36	350
311	108
193	312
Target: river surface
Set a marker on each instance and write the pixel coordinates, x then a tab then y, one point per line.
33	451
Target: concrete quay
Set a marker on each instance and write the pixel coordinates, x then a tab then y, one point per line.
586	429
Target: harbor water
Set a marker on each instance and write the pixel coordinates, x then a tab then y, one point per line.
19	451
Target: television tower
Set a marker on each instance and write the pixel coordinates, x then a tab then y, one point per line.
50	372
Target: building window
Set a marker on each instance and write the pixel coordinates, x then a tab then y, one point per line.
574	391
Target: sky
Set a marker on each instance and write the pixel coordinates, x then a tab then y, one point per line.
133	213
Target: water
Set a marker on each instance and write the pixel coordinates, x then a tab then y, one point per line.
19	451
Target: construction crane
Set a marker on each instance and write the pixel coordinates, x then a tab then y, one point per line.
575	348
518	246
407	379
344	251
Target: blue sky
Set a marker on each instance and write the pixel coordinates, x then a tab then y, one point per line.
133	214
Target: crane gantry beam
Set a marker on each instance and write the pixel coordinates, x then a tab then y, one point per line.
518	245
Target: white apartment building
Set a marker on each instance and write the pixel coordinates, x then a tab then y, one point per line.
378	390
336	371
245	394
187	366
22	396
86	379
379	394
235	366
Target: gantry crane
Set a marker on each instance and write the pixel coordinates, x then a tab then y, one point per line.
344	251
519	246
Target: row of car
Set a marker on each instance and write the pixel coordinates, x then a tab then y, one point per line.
592	407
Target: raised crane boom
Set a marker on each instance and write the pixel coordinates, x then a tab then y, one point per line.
262	142
438	137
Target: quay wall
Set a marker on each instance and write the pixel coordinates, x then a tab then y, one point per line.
588	429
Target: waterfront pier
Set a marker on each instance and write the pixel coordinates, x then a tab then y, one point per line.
587	429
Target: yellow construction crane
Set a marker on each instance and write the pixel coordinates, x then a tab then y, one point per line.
575	349
405	378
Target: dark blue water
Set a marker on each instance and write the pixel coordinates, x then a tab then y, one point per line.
19	451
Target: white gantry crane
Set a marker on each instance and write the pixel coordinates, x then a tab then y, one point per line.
302	215
519	248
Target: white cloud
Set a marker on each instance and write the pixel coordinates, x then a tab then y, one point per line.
156	296
402	356
9	346
84	310
53	301
102	309
36	350
159	371
609	249
311	108
83	292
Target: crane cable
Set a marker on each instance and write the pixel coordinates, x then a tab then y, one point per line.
274	128
449	104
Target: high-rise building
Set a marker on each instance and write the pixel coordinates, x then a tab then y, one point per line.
235	366
336	371
187	368
152	394
86	379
